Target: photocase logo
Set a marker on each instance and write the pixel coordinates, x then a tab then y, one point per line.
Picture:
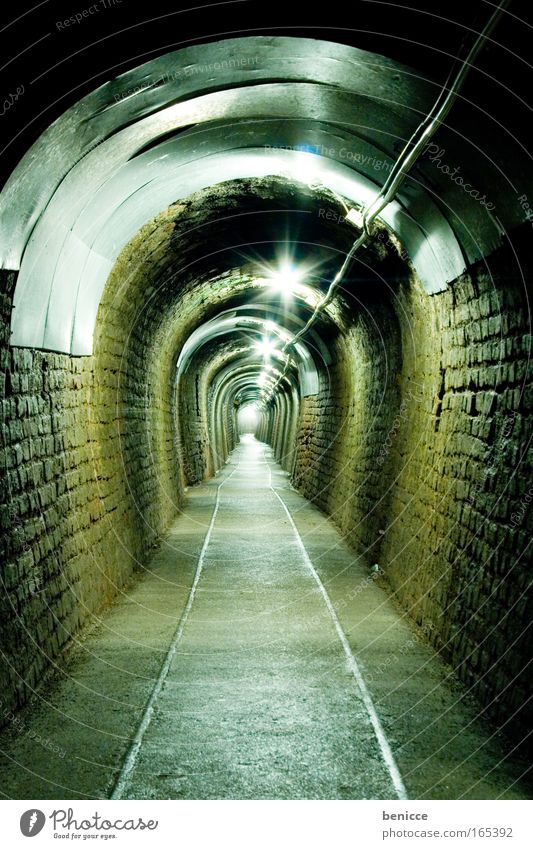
32	822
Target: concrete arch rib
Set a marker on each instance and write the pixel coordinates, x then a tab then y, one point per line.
238	321
169	128
63	275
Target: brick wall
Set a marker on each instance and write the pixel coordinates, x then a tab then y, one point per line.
343	426
87	488
207	419
416	445
458	558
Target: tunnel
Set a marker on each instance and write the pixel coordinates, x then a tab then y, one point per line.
265	502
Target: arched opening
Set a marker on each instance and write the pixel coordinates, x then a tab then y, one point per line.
162	258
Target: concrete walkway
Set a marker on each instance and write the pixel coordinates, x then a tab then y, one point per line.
256	659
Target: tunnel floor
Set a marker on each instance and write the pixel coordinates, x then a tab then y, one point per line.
257	658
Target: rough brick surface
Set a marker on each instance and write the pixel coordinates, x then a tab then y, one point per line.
417	446
84	453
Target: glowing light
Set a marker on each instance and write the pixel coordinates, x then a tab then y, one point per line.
266	347
272	327
286	280
305	168
248	418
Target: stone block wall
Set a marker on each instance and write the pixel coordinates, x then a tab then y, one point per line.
85	493
417	446
343	426
207	418
457	557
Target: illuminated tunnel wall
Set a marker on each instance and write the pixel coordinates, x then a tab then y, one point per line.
137	300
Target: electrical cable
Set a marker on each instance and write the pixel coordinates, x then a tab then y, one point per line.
409	155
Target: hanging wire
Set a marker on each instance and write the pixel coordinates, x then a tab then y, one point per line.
409	155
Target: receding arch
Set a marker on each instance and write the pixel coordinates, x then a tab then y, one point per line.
142	149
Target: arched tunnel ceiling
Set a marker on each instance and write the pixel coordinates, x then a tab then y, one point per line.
172	290
76	261
234	367
140	142
240	381
243	321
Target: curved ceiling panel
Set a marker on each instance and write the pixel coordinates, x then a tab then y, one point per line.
238	321
307	110
63	273
176	78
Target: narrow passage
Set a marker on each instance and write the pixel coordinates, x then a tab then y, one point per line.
256	659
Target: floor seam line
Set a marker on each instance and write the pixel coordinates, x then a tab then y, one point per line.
383	743
133	751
